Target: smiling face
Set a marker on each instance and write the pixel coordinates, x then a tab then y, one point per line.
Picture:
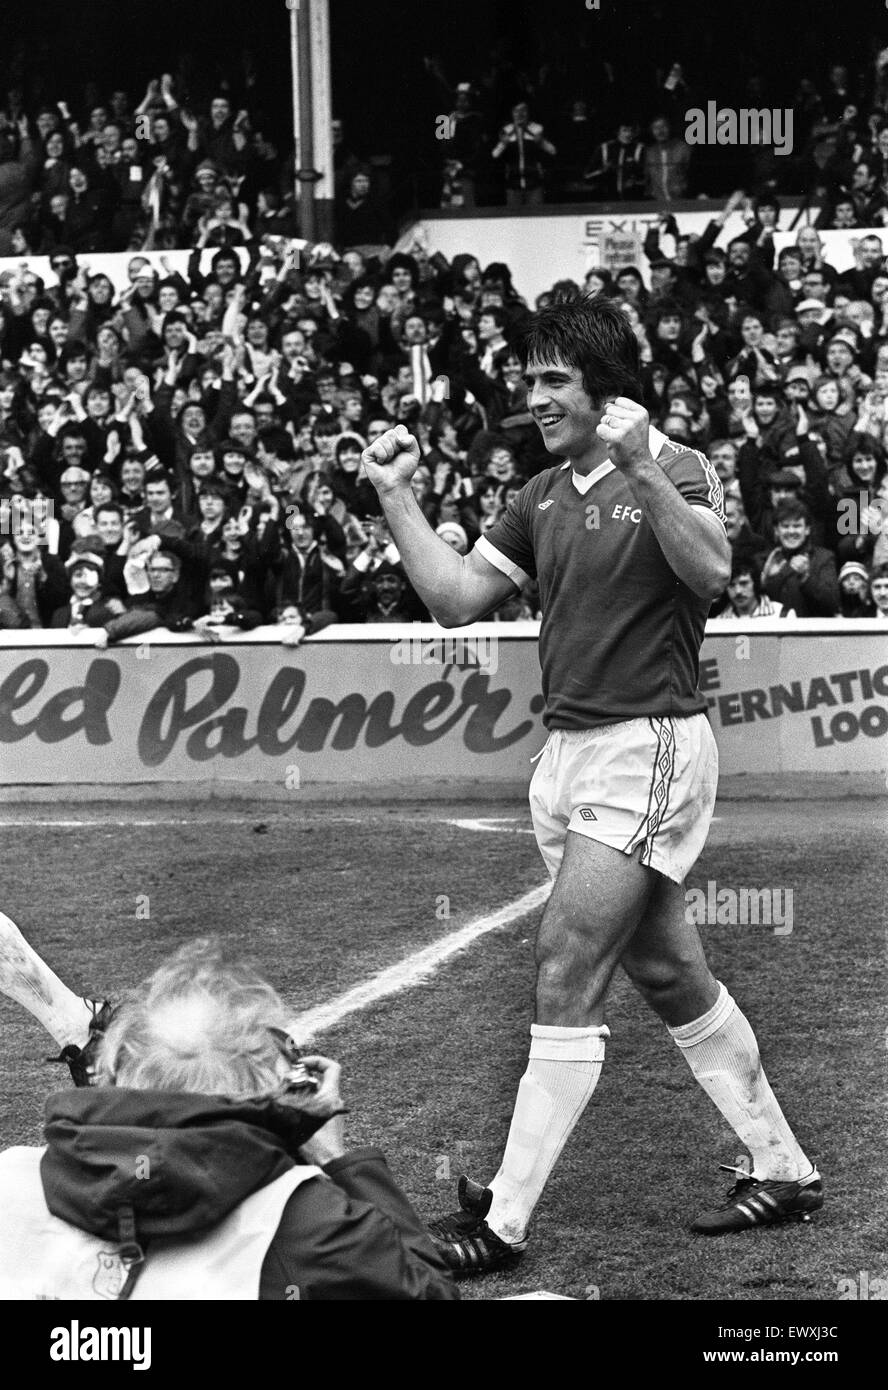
350	460
109	525
132	475
864	465
99	490
564	413
501	465
879	592
793	533
25	539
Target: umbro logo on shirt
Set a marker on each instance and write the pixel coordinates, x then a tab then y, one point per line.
586	814
544	505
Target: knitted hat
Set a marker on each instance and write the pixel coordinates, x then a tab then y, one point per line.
453	528
80	558
854	567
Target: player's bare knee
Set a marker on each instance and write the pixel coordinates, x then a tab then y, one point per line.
569	974
654	978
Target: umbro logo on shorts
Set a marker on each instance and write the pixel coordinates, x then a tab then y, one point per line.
544	505
586	814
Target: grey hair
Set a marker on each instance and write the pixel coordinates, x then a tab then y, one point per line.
200	1024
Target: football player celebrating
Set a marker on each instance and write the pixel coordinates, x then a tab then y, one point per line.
626	538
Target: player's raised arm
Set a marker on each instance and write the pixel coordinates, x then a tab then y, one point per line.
456	589
693	541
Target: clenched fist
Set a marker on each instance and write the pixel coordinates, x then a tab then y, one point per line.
624	429
392	459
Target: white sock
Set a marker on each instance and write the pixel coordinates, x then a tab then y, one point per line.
721	1050
561	1075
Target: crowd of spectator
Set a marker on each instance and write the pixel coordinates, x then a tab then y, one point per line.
599	145
122	173
186	453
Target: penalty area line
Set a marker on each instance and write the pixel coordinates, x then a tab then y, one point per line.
413	969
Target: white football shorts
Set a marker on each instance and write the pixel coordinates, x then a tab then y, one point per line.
643	786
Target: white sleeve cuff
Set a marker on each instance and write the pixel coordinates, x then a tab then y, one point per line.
501	562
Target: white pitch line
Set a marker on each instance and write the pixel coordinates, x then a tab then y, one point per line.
413	968
489	824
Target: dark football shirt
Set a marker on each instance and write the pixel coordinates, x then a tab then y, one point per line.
620	634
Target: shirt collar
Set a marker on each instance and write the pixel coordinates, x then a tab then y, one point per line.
582	482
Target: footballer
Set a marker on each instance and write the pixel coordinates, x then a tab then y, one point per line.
626	539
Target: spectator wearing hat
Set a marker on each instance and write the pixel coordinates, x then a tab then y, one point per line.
840	355
815	325
797	389
798	574
454	535
138	313
854	591
86	606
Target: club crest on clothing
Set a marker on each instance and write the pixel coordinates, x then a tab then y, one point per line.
110	1276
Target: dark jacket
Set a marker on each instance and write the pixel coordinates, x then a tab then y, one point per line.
814	597
355	1237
